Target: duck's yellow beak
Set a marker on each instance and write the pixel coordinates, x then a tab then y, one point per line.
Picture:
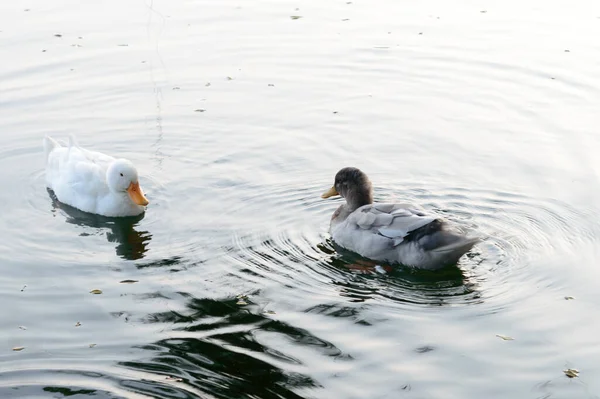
137	195
329	193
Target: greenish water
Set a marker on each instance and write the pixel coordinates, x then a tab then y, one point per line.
237	116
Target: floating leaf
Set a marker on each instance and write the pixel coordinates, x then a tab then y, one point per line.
505	337
571	373
92	345
96	292
295	16
77	324
568	298
18	348
128	281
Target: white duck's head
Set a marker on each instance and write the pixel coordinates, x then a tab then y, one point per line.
122	177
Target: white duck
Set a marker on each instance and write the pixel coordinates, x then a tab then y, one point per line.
395	233
91	181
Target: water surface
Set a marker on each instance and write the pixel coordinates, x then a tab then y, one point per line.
238	115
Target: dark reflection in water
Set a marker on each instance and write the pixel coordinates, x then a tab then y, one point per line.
222	351
64	391
131	244
105	386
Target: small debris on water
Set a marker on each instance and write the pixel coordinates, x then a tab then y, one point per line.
199	110
505	337
23	289
92	345
241	299
295	16
571	373
96	292
18	348
128	281
58	35
176	379
568	298
22	328
78	324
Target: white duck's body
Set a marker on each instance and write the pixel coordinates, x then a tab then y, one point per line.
91	181
393	233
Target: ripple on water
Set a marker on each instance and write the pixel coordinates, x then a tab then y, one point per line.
292	250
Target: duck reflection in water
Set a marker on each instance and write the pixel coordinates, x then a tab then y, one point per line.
131	244
448	286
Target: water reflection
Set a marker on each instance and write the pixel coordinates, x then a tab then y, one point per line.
131	244
366	279
224	350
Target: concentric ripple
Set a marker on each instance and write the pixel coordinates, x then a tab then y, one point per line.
292	249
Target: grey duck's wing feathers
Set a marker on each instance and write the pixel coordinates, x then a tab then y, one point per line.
398	222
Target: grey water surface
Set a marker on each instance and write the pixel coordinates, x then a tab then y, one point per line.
237	115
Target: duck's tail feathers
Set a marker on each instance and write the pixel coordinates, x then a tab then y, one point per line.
72	141
49	145
452	252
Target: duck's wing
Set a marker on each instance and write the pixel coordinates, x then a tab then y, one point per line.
83	172
85	159
392	221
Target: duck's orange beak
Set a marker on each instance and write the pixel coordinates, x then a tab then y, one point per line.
329	193
137	195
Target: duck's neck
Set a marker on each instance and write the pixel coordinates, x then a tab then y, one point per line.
358	197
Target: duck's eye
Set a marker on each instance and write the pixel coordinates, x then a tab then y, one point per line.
121	174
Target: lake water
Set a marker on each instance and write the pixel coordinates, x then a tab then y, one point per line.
238	115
